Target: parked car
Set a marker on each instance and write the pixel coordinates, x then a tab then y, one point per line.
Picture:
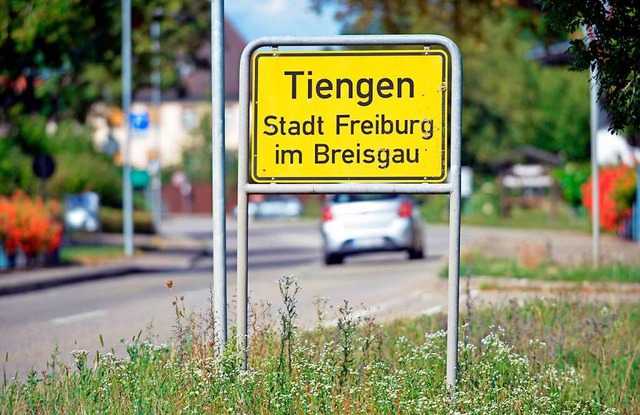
273	207
359	223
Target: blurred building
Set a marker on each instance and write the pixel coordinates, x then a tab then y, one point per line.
181	108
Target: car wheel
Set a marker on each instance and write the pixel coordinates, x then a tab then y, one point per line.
416	253
333	259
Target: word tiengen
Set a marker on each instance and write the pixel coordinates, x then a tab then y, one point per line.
365	88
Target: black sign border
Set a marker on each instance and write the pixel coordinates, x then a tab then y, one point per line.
254	177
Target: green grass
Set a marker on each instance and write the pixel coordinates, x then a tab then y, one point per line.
90	254
530	219
478	264
542	357
435	209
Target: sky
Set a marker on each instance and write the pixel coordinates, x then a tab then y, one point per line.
257	18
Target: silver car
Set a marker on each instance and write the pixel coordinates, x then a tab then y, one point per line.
359	223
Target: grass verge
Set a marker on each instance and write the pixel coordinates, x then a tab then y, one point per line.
537	358
90	255
477	264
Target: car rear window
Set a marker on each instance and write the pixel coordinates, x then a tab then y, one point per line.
365	197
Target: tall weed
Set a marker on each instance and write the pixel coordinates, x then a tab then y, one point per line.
540	357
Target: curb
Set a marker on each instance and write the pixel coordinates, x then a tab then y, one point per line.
42	279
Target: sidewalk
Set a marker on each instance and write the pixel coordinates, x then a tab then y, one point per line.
158	254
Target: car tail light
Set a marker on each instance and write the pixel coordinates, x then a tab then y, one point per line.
405	209
326	214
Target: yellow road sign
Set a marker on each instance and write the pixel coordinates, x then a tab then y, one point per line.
349	116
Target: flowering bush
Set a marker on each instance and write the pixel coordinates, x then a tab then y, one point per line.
29	225
617	190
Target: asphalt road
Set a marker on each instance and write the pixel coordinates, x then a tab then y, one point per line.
115	310
384	286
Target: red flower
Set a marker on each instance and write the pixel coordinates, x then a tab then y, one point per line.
29	225
617	188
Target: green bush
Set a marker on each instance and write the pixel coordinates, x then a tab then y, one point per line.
571	177
15	170
111	221
79	166
86	173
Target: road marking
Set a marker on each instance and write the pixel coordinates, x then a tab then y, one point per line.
79	317
433	310
375	309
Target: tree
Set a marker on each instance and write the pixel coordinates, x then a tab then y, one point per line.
613	51
508	100
60	56
457	17
79	167
196	156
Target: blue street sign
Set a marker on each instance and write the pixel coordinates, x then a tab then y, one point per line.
139	121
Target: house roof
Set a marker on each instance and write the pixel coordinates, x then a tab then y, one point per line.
198	83
528	155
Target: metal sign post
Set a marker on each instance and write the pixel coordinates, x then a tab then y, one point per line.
318	127
218	160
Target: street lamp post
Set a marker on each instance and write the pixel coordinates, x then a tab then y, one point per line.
127	197
156	97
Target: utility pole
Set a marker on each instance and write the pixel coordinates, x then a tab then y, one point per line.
590	35
156	97
127	197
595	174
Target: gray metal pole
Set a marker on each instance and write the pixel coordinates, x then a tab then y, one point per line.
595	175
218	172
242	276
156	97
454	217
636	218
636	213
127	197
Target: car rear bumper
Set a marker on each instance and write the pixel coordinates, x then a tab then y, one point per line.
396	237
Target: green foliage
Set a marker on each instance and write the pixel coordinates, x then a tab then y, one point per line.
571	178
87	254
15	169
61	56
598	340
197	156
560	112
483	209
79	167
78	173
541	357
509	101
613	52
111	221
478	264
459	17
